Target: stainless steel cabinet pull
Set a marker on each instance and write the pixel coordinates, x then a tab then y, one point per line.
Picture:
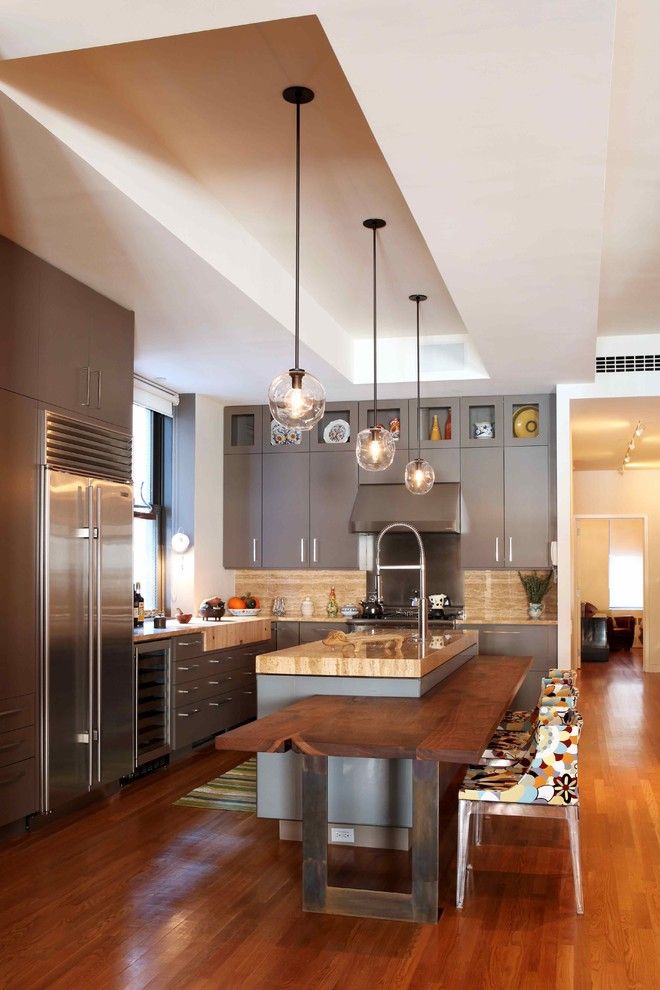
219	704
186	642
302	549
187	714
497	549
248	692
218	661
91	604
87	373
12	779
315	544
193	666
11	711
254	549
510	549
98	389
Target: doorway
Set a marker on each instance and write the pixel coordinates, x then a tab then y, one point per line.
610	577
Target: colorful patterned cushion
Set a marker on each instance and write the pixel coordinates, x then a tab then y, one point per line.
550	777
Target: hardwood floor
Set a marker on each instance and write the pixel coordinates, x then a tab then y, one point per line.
140	893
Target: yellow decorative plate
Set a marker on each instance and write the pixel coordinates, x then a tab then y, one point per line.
526	422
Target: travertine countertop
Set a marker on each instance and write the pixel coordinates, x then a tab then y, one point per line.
175	628
372	652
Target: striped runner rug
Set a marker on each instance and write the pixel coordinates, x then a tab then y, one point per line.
235	790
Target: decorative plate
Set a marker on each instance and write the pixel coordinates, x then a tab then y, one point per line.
337	431
244	611
526	422
282	436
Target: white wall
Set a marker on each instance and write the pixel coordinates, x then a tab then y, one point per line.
630	493
592	552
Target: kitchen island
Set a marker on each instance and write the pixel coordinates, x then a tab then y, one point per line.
373	796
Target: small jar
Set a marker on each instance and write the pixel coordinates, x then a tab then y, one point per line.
307	607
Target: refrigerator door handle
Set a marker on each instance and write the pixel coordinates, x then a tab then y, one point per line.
98	540
90	635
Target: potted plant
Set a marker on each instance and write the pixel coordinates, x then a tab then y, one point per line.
536	588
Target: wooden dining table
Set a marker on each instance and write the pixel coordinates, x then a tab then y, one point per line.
450	725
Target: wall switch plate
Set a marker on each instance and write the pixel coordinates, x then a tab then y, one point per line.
342	835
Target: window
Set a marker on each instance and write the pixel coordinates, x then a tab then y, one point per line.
152	480
626	564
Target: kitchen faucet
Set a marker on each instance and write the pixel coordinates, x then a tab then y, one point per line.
422	604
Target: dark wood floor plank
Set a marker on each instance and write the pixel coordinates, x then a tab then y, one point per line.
142	893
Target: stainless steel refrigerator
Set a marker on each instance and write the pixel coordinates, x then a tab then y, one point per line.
87	610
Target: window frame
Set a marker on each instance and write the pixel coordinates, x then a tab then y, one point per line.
161	504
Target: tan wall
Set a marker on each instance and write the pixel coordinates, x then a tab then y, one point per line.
631	493
498	596
592	562
350	587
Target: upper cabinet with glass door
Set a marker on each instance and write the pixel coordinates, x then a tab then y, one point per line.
527	420
482	421
282	439
439	424
243	427
337	428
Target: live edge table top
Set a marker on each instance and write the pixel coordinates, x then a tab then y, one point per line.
452	723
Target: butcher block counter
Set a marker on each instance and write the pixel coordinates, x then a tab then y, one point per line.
229	631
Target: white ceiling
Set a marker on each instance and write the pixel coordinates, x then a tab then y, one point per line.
602	429
492	119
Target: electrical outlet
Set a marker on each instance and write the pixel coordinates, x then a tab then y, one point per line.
342	835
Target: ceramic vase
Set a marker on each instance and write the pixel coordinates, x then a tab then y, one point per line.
534	610
436	432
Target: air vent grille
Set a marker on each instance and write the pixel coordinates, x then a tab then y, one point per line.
83	448
614	363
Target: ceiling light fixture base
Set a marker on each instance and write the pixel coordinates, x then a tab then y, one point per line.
374	223
298	94
418	297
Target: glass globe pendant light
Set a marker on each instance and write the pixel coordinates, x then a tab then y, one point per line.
419	476
296	398
375	445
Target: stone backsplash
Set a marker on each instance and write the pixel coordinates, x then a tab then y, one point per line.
293	586
498	596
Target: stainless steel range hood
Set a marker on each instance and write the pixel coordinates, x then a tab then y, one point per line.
378	505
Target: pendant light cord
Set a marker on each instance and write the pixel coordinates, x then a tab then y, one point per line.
375	340
419	404
296	362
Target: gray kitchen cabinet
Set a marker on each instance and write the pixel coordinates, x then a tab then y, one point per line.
446	463
18	545
346	411
482	507
479	409
19	319
444	409
332	489
288	633
242	544
512	406
539	642
526	507
64	329
311	632
85	350
278	441
393	475
285	516
243	429
111	363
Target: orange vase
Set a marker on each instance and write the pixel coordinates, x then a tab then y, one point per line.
448	426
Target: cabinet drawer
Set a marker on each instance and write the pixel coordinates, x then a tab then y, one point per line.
19	744
188	670
232	708
184	647
231	660
188	724
190	692
18	792
16	713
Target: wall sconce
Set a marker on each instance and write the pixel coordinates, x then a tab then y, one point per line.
180	542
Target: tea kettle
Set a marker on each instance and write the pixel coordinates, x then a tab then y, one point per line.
372	608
